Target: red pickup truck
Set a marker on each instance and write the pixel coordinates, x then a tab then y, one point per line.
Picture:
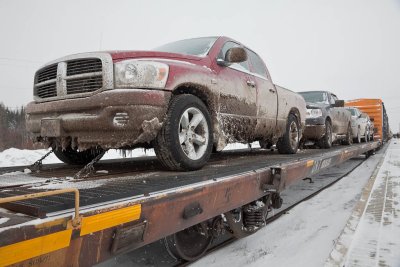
184	99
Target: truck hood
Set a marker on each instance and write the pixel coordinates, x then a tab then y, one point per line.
122	55
315	105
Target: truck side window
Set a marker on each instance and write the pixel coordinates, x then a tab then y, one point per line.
332	100
244	66
257	63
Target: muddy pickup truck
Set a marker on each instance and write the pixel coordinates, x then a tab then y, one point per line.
327	120
184	99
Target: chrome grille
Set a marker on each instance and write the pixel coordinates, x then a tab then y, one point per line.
46	74
84	85
80	66
72	75
47	90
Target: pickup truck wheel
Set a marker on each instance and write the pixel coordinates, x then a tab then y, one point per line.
75	157
184	143
265	144
326	140
289	142
349	138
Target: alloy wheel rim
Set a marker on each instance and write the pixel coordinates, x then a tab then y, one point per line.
193	133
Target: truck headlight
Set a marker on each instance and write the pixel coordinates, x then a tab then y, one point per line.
314	113
140	74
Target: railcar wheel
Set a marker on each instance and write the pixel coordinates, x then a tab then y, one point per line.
289	142
75	157
190	243
184	143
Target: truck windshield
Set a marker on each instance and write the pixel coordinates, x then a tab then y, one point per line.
195	47
352	111
315	97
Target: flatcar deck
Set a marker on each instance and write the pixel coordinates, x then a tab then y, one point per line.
127	204
115	180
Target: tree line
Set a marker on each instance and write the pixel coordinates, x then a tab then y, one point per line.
13	131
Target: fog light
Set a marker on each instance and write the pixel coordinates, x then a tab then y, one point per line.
121	119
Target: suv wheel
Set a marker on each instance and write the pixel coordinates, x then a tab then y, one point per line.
75	157
289	142
184	143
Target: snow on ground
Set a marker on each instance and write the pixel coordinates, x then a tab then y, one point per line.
376	241
23	157
305	236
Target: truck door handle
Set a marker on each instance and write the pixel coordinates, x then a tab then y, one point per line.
251	83
272	91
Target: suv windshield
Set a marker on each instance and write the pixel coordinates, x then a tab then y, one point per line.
315	97
195	47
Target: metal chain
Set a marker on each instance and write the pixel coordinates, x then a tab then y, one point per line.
37	166
88	169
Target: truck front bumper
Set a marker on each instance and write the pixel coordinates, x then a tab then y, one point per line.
110	119
314	132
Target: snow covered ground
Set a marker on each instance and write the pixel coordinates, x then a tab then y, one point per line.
307	235
22	157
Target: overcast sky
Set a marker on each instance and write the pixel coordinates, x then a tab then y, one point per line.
350	47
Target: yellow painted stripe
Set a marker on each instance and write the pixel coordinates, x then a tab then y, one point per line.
310	163
109	219
34	247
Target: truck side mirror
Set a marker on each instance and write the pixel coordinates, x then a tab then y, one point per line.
339	103
233	55
236	55
371	119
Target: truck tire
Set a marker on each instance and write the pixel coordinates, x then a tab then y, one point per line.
75	157
265	144
326	140
184	143
349	138
289	142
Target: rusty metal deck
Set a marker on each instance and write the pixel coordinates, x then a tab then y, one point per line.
127	204
116	180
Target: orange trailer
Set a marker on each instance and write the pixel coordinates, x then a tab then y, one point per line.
375	109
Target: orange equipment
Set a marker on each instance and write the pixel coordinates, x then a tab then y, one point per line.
375	109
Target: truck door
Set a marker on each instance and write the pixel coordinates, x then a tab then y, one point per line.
238	96
267	97
339	121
